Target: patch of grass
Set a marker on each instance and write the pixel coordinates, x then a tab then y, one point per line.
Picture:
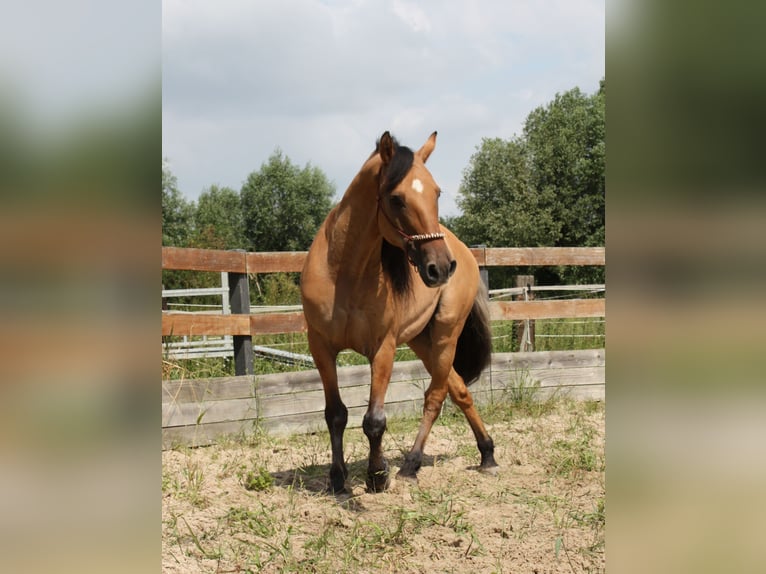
199	368
582	458
192	488
569	334
552	334
404	425
169	482
258	479
523	391
260	523
570	456
439	508
320	545
216	554
595	519
522	396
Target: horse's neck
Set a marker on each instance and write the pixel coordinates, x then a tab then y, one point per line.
354	238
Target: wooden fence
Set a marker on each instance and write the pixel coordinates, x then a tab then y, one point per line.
196	412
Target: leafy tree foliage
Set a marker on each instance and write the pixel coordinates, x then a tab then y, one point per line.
566	140
177	229
500	206
218	219
284	205
177	213
544	188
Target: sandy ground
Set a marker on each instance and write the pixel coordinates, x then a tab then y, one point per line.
543	512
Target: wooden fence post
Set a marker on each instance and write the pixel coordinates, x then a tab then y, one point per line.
239	302
483	271
525	329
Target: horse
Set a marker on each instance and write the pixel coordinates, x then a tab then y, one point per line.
380	272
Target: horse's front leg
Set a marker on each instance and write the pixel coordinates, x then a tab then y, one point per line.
335	412
439	365
374	422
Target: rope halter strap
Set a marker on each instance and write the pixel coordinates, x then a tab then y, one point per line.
410	240
407	237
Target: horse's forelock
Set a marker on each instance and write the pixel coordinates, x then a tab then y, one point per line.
398	167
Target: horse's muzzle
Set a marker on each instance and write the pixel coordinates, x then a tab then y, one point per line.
435	273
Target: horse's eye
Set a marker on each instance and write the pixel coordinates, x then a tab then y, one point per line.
397	202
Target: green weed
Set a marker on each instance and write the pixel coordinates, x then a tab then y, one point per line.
570	456
210	554
259	523
194	482
258	479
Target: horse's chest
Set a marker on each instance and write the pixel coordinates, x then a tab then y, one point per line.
359	313
368	324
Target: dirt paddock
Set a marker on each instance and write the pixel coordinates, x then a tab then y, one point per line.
260	505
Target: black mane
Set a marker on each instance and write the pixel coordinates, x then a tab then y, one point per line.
396	265
398	168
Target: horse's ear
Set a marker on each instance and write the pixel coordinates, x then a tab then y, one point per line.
427	148
386	147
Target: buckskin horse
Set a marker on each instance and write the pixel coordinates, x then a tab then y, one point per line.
381	272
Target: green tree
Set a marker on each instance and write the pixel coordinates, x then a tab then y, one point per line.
543	188
284	205
567	147
177	229
177	213
282	209
218	219
500	207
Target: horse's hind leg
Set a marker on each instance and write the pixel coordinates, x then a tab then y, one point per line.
433	400
461	396
335	412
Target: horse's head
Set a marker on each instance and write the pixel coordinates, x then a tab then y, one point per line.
408	210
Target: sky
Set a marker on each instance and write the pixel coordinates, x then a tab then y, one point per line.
321	80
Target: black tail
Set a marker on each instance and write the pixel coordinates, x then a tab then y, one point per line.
474	346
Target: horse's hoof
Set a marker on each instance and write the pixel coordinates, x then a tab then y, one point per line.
412	478
409	470
491	470
338	475
337	489
378	480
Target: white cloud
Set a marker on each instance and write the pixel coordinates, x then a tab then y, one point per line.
323	79
412	15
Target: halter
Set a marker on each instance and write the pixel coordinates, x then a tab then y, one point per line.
409	239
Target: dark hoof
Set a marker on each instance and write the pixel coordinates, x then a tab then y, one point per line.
378	481
411	466
338	480
491	470
337	489
406	477
487	458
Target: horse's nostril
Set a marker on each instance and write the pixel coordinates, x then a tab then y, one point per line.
433	272
452	267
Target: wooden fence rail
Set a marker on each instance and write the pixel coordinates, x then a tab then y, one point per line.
240	262
197	412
